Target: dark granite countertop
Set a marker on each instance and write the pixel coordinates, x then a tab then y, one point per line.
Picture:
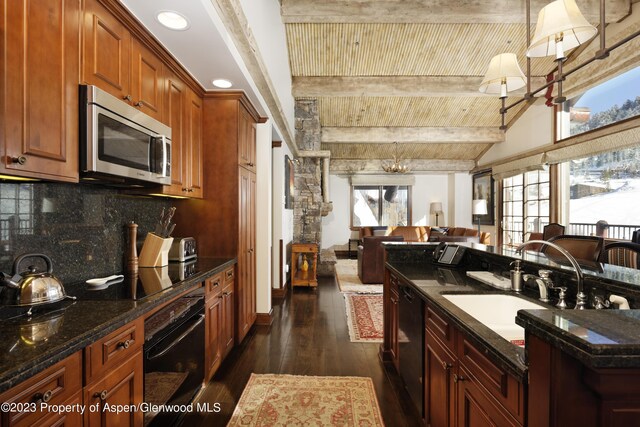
74	325
432	282
598	338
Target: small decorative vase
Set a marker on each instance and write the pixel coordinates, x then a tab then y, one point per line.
305	263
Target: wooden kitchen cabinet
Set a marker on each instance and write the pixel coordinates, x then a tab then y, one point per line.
39	86
58	384
213	325
123	385
391	301
439	397
224	220
301	252
193	146
247	141
227	315
119	63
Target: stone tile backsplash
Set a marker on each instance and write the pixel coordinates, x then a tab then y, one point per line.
81	227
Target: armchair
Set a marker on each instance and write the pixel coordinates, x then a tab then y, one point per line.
371	258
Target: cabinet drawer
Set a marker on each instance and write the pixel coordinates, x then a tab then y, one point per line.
54	386
440	326
504	387
70	418
229	275
112	350
213	286
302	247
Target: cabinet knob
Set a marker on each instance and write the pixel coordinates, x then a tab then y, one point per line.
127	98
20	160
190	190
44	397
226	294
185	189
216	283
102	395
446	366
457	378
229	274
124	344
138	104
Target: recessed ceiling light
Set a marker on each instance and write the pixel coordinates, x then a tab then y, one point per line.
222	83
172	20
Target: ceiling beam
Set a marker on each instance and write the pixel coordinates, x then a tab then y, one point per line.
412	134
434	11
406	86
351	167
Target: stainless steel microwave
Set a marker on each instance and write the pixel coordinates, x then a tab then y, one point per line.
119	143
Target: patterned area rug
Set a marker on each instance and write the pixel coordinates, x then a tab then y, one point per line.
364	317
348	280
293	400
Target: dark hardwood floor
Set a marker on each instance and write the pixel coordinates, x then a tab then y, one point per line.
309	336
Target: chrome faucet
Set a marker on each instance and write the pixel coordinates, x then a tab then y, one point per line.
581	298
543	281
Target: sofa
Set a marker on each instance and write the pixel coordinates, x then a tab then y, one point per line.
371	258
421	233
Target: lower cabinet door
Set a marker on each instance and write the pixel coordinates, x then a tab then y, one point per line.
227	317
439	366
476	407
213	324
106	397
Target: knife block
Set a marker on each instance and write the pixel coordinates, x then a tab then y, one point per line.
155	251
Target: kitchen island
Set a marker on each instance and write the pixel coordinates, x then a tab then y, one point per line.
468	370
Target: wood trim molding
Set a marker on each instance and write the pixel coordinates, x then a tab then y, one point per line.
264	319
279	293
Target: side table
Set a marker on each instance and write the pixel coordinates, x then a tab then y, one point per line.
299	275
349	250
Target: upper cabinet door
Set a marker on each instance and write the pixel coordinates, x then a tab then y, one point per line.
246	140
107	51
194	153
147	88
174	116
39	128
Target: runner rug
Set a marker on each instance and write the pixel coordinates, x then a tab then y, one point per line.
293	400
364	317
348	280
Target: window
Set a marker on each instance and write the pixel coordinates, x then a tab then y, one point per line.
382	205
604	187
612	101
525	206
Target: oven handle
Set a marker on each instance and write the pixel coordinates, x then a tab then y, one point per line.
180	338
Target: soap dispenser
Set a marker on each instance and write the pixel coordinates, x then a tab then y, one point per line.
516	276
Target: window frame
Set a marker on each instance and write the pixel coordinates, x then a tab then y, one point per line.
381	192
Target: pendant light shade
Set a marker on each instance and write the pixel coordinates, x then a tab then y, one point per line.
560	27
504	75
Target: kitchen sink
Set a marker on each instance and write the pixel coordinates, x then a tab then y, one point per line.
496	311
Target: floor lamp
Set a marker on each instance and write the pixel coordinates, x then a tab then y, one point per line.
479	207
435	208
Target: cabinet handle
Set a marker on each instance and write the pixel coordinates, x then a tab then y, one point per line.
127	98
250	164
124	344
216	283
102	395
185	189
138	104
190	190
229	274
446	366
226	294
457	378
20	160
44	397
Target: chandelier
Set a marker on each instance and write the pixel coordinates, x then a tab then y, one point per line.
396	166
560	27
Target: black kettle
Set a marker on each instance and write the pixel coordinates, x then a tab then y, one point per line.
31	287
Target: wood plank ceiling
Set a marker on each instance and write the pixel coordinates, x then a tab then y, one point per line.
409	71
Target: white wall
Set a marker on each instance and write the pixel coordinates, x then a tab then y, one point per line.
269	32
263	217
282	218
427	188
534	129
460	195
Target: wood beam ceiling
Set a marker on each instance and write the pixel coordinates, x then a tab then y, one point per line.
349	167
461	135
406	86
433	11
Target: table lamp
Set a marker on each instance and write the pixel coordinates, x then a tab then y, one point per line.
479	207
436	209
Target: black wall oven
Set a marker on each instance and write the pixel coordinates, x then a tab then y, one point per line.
173	358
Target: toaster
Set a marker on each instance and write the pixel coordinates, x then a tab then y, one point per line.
183	249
